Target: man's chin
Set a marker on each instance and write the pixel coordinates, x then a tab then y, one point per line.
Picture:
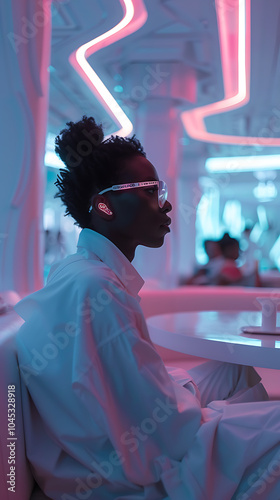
155	243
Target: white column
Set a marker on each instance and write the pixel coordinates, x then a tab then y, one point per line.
25	55
159	128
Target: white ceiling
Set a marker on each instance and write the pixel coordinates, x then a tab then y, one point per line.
181	35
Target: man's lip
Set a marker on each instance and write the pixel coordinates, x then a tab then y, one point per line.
167	223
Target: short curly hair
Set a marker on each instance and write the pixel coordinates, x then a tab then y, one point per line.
92	164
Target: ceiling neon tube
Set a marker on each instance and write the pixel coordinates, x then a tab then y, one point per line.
135	15
236	60
243	164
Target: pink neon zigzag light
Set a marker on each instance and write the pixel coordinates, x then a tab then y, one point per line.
135	15
235	47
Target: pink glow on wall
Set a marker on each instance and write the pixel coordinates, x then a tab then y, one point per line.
235	42
135	15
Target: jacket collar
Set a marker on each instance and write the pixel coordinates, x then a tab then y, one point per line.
107	252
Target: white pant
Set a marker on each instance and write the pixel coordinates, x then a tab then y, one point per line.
218	381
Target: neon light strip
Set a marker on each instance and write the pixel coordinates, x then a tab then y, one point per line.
193	121
243	163
135	15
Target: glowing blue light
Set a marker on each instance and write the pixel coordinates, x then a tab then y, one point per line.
265	191
274	253
52	160
232	217
243	163
256	232
118	88
261	211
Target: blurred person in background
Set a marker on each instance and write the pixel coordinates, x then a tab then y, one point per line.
208	273
229	273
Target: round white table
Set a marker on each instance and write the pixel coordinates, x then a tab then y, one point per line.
217	335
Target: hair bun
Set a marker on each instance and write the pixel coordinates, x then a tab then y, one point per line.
79	140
